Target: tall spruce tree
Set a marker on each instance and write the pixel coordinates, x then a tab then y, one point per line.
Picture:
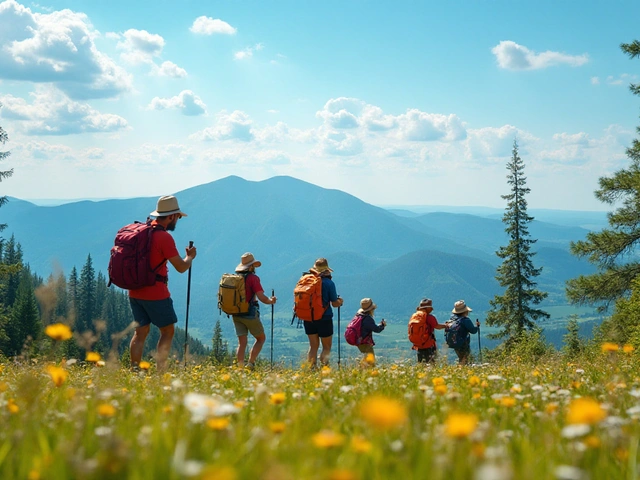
86	297
512	311
613	250
219	352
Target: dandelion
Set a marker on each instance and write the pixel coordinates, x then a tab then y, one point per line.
370	359
516	388
551	408
93	357
106	410
58	375
327	439
218	473
277	427
438	381
507	401
585	410
144	365
460	425
592	441
383	413
628	348
58	331
277	398
609	347
440	389
226	377
218	423
474	381
360	444
326	370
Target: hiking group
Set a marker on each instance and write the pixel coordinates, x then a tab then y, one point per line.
138	263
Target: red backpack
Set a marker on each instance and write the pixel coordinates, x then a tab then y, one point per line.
353	333
419	331
307	298
129	264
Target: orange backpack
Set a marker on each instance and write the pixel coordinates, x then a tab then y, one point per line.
420	332
307	298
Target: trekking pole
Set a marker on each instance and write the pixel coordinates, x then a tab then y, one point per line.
479	347
339	334
186	323
272	295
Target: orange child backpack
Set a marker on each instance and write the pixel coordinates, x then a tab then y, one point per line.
420	333
307	298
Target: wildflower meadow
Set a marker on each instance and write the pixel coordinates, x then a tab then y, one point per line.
97	419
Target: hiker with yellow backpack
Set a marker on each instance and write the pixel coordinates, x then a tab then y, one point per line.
421	331
313	296
238	297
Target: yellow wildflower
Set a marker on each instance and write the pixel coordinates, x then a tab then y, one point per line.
585	410
277	427
167	409
144	365
12	406
218	423
460	425
370	358
551	408
360	444
342	474
628	348
93	357
326	370
592	441
58	375
33	475
327	439
516	389
383	413
507	401
277	398
476	395
609	347
58	331
4	387
438	381
440	389
375	373
225	377
474	381
106	410
478	449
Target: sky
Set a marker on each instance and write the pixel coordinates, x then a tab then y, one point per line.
396	102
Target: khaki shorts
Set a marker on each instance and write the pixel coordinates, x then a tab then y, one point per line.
246	325
365	348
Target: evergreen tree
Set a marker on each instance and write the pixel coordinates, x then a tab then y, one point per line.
4	138
86	297
612	250
219	352
512	311
572	343
72	296
25	318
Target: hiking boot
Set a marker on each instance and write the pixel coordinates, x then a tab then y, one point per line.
250	366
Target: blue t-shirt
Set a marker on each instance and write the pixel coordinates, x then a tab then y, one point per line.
329	295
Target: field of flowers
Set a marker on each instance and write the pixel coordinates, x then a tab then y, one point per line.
92	419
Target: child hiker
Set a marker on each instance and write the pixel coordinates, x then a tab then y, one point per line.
367	325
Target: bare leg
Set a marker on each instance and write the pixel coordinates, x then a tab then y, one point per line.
136	347
256	348
326	350
242	347
164	345
314	344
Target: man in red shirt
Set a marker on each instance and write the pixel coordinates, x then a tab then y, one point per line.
153	304
250	322
426	344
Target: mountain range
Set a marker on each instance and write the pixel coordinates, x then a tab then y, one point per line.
392	256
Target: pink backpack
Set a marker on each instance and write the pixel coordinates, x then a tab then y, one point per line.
353	332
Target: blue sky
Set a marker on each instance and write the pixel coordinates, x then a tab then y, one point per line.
404	102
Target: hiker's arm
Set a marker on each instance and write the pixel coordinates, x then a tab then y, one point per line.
337	303
471	328
439	326
334	298
182	264
264	299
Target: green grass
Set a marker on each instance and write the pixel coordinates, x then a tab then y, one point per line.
107	422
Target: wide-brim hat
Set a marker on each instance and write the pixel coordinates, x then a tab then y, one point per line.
460	307
367	305
246	261
322	265
167	205
425	304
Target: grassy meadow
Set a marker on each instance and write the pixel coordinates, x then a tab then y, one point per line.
93	419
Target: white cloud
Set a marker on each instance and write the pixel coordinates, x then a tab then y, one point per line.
229	126
595	81
53	113
623	79
421	126
186	101
169	69
341	143
248	52
342	112
140	46
512	56
492	143
57	48
208	26
575	139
